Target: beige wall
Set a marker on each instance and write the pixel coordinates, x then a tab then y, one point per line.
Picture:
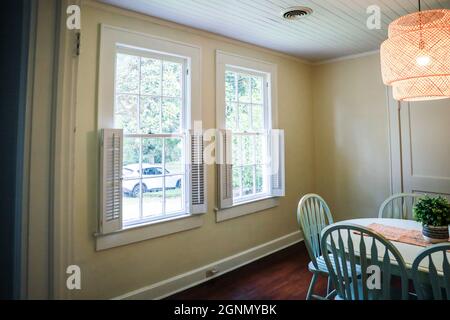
117	271
351	136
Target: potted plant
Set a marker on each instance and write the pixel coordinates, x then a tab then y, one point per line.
434	214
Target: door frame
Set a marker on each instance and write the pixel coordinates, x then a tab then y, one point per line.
49	153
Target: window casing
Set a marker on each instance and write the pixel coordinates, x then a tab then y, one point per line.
250	150
157	147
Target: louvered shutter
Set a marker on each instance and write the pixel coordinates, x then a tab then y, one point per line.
111	180
225	168
277	179
197	173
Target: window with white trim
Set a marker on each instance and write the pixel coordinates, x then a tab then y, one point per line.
246	114
151	171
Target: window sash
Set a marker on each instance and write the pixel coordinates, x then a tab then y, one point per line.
267	110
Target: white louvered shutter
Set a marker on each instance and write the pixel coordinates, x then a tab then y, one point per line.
277	179
225	168
111	180
197	173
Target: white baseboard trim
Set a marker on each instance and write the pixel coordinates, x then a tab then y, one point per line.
192	278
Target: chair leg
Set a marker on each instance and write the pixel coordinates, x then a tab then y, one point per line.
311	286
329	285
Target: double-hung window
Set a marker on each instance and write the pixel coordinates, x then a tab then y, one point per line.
251	149
151	171
247	116
150	107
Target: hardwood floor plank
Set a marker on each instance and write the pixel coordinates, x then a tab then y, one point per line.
283	275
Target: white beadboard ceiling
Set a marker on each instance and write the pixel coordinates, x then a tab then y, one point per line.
337	28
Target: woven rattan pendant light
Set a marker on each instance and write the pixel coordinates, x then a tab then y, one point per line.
415	60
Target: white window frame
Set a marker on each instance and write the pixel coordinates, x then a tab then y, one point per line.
111	39
232	61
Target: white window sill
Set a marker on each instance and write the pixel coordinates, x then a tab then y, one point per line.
245	208
137	233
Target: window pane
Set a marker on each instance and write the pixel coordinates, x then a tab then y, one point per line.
171	115
248	150
172	79
236	181
151	76
236	151
150	115
258	117
247	180
230	86
152	201
244	117
259	149
231	116
131	156
174	197
126	113
257	91
131	199
152	152
127	74
174	155
259	179
244	88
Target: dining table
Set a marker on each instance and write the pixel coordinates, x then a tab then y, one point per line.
407	250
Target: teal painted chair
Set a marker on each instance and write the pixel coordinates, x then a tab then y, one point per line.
355	249
432	285
399	206
313	214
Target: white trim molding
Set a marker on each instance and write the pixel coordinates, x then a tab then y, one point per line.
242	209
349	57
195	277
147	231
63	154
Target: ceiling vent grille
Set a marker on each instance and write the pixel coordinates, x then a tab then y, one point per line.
295	13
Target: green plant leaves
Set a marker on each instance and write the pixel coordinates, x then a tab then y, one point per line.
432	211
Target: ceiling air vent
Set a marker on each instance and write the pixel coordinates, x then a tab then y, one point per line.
295	13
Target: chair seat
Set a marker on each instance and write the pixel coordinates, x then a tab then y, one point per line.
322	266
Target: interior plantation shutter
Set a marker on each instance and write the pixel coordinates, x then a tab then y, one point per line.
111	154
197	173
225	168
277	179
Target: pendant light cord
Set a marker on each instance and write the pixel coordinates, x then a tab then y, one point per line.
420	6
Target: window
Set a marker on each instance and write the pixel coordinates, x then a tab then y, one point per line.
152	180
150	107
246	116
246	111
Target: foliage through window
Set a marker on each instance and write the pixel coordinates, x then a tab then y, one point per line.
150	107
247	117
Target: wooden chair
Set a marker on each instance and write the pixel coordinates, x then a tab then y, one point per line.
432	285
399	206
313	214
349	256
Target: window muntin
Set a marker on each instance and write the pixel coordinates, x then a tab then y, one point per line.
246	115
150	107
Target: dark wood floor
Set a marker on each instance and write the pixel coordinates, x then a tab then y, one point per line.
281	276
